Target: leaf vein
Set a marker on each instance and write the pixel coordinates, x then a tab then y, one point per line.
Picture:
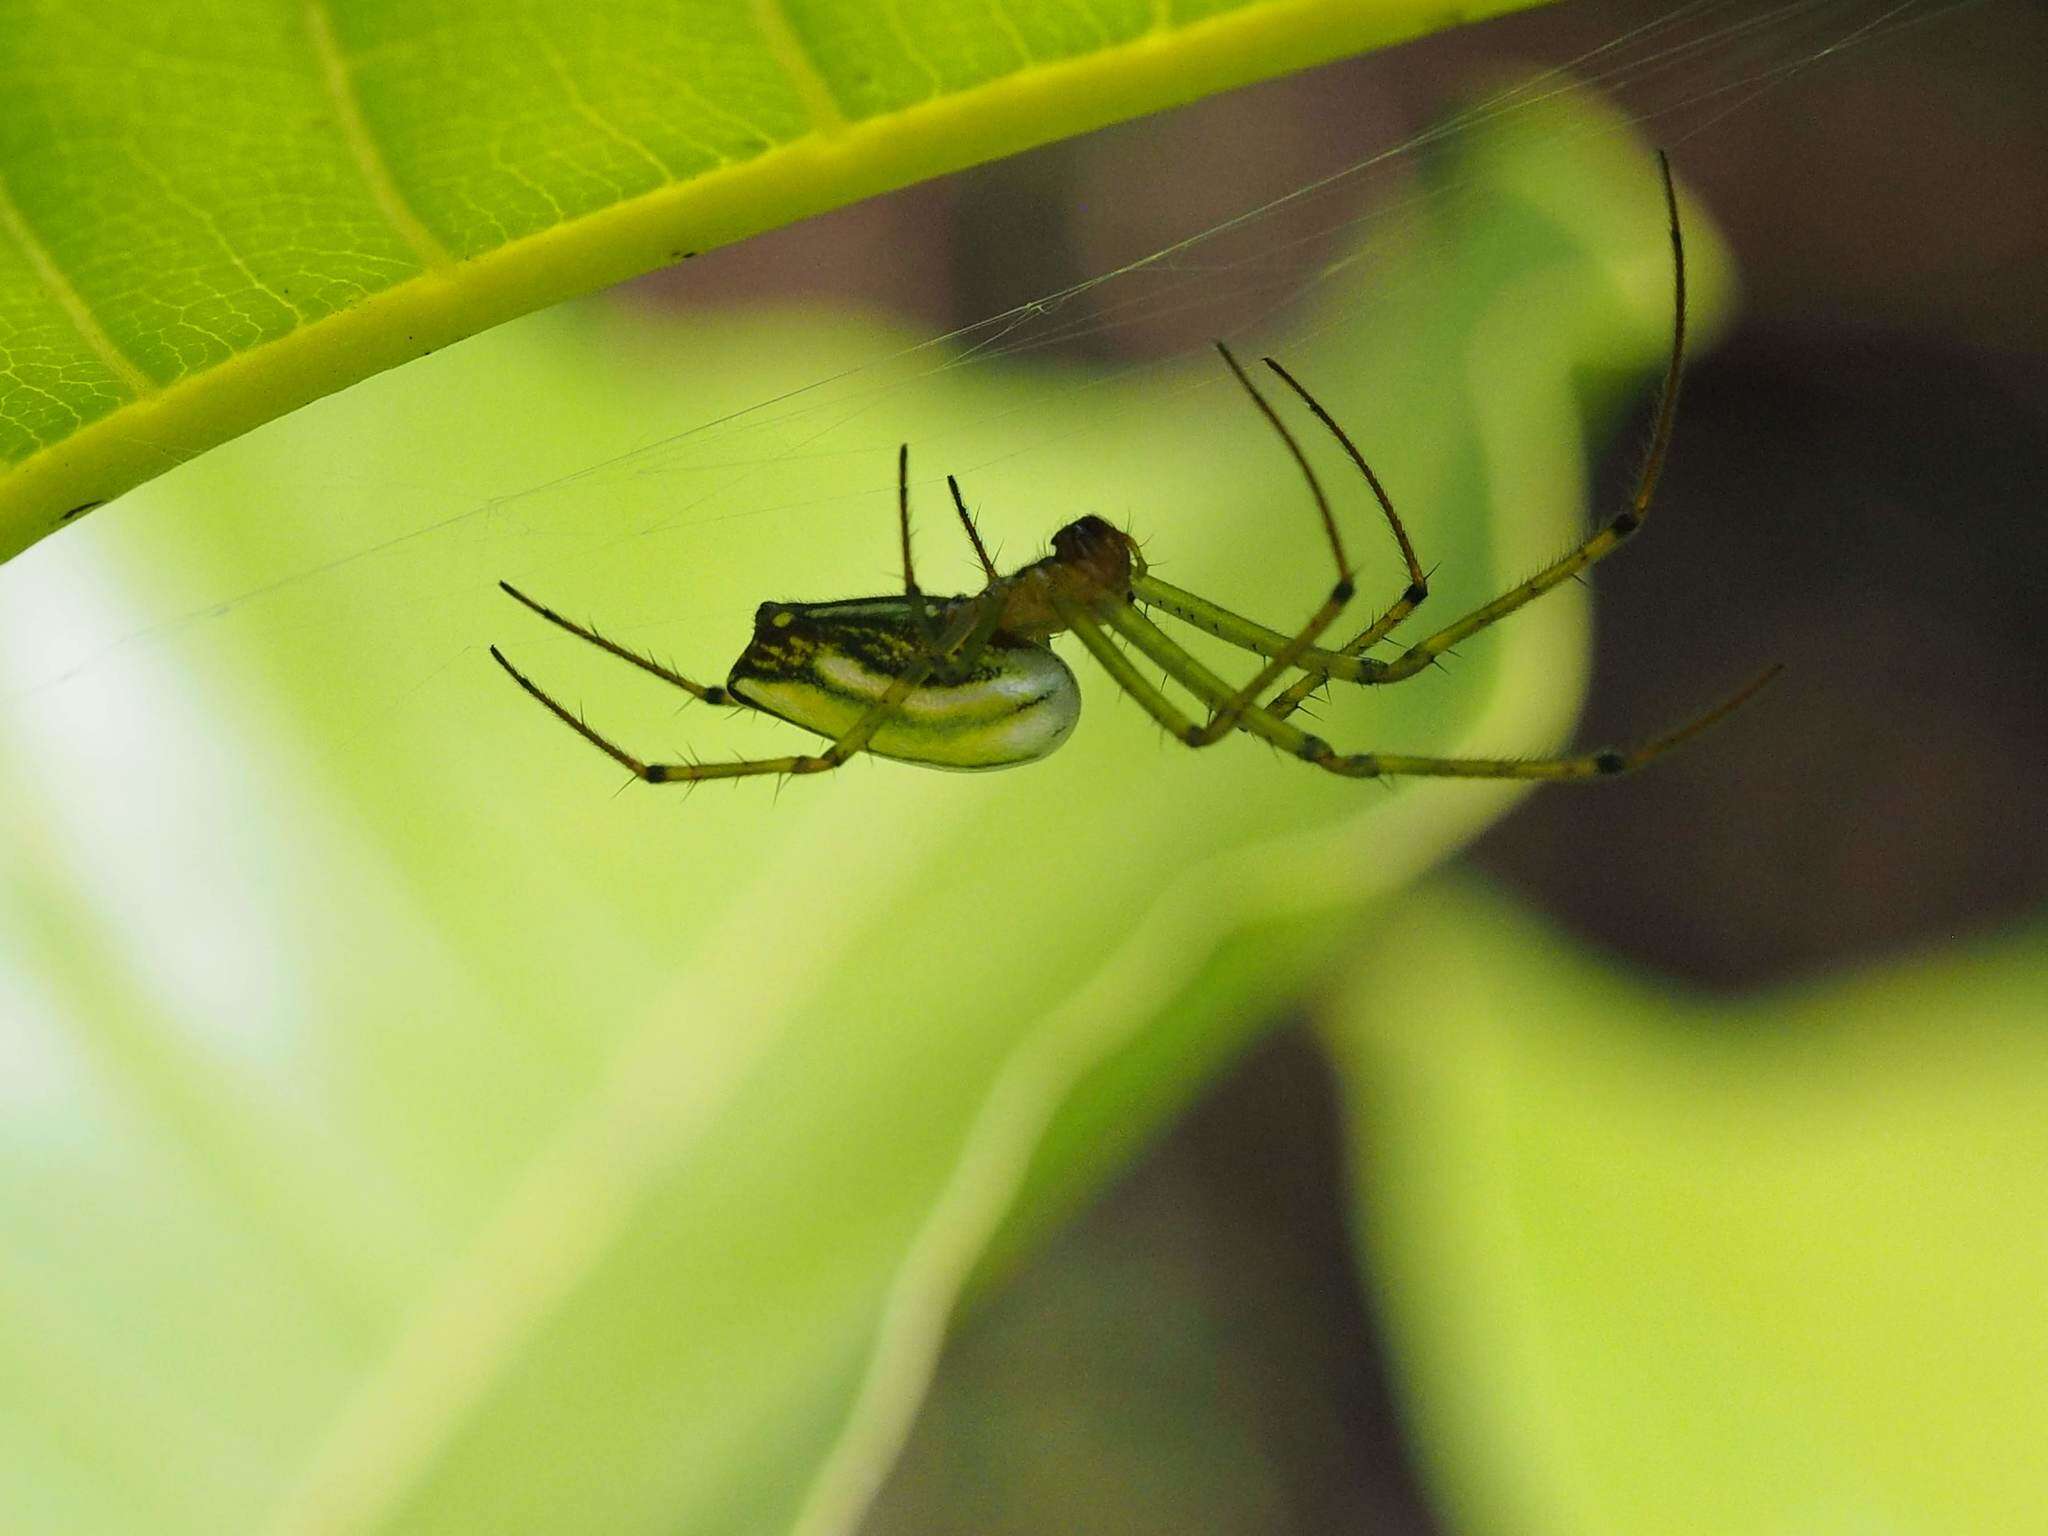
912	54
808	80
70	300
339	83
1006	24
580	105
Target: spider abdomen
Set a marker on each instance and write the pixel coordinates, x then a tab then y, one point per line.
824	665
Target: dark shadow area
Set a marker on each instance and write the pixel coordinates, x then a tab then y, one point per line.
1190	1357
1867	510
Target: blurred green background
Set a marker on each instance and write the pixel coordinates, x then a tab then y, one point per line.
403	1131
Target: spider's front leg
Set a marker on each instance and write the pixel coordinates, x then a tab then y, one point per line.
1285	703
1620	528
1285	653
1212	691
1296	693
1282	658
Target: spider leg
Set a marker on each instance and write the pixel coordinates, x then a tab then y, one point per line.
1290	700
966	636
1224	716
1618	530
1584	765
1248	634
988	566
655	773
1418	579
1296	693
903	518
920	613
1184	669
1299	650
709	693
1157	646
1315	487
1125	674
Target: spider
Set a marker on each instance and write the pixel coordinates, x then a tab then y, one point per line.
971	682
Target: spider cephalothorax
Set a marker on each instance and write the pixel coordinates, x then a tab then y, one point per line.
1091	563
972	681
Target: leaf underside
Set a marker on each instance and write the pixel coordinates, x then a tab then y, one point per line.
210	215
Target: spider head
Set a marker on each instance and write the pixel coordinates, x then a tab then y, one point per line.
1092	563
1098	552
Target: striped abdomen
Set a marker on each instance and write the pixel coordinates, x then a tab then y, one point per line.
822	665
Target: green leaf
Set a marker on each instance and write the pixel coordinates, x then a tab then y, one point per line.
406	1132
1659	1262
210	215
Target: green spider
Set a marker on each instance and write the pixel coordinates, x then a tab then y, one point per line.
972	682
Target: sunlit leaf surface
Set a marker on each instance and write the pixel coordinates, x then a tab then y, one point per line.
402	1129
1661	1263
212	213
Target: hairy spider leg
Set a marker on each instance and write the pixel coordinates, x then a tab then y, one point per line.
1287	702
1125	674
710	693
963	640
1416	576
910	587
920	614
1247	634
1225	715
988	566
1185	669
903	520
1349	664
1617	531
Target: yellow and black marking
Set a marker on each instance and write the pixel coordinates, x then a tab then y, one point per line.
823	665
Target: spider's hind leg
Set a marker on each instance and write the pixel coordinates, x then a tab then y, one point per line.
677	773
963	639
710	693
